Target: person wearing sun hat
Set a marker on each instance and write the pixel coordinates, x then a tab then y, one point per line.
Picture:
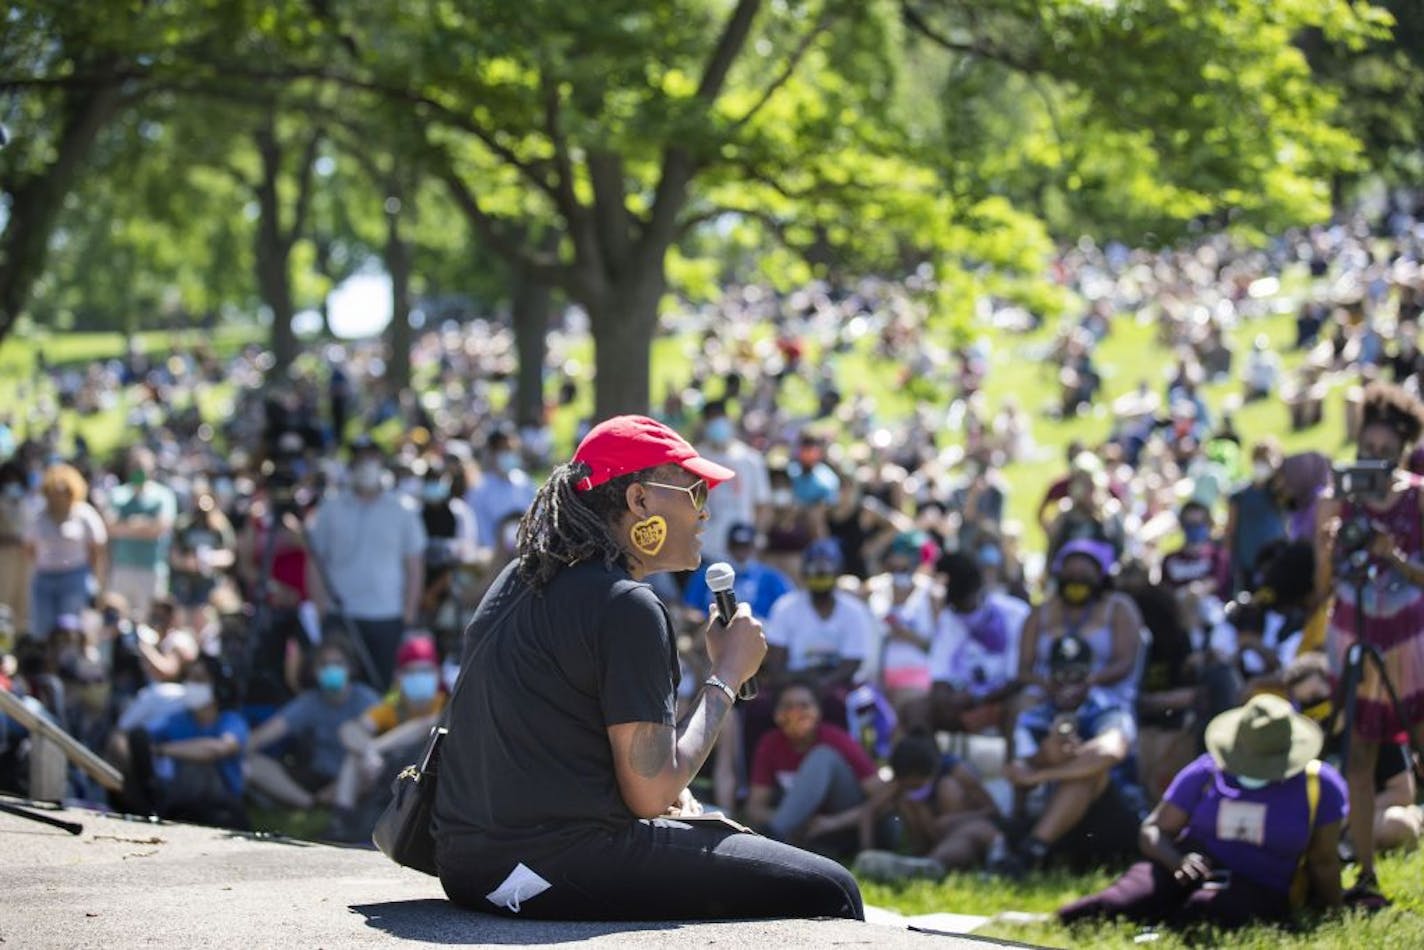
563	780
1236	828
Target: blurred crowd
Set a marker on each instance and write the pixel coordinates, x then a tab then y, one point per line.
264	611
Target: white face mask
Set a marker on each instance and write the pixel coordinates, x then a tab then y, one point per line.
1251	783
366	476
1262	471
197	695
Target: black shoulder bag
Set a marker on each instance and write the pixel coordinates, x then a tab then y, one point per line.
403	830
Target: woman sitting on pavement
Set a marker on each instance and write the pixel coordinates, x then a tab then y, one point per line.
1236	828
948	816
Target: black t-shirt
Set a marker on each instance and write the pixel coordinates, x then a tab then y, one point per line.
527	767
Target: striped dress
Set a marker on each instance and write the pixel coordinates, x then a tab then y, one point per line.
1393	610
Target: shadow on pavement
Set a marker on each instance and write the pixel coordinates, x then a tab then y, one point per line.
438	921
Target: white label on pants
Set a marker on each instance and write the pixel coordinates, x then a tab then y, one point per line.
521	885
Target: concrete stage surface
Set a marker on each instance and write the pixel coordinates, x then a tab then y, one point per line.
128	883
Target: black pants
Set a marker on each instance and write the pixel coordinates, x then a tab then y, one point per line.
663	869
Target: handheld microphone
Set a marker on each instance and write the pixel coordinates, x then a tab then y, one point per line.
720	578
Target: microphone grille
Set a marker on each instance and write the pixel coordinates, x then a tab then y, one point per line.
720	577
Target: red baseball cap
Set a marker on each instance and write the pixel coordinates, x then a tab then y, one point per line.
417	649
626	444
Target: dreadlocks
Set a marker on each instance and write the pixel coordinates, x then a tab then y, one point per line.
565	526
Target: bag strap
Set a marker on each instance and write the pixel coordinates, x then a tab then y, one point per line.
1312	802
1312	790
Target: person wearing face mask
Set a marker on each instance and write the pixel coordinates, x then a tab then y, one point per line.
902	601
189	767
1253	516
16	513
1236	829
1082	603
503	487
306	775
387	737
1199	563
371	544
1074	772
820	634
758	585
745	499
141	515
1391	615
972	667
450	540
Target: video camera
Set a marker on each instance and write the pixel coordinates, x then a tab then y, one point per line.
1356	482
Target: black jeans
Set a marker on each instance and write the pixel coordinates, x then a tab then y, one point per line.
663	869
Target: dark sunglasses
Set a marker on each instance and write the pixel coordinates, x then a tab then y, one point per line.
697	491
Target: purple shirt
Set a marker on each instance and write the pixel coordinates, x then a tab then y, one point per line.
1259	834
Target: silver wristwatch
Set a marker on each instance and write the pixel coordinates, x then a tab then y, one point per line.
721	684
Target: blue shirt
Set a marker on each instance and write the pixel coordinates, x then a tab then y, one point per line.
183	725
495	498
815	486
757	584
1098	714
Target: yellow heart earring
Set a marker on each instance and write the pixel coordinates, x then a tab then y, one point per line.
649	535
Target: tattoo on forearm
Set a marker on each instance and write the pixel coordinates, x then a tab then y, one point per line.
651	750
699	734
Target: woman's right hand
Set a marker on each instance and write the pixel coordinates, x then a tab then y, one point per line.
736	649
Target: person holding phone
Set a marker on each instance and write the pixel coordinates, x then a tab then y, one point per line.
1235	828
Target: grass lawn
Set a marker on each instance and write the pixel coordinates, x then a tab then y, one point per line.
1401	926
106	430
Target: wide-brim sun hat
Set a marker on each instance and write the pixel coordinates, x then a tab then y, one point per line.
1265	739
625	444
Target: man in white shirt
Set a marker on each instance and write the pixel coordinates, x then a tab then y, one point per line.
820	634
371	544
745	499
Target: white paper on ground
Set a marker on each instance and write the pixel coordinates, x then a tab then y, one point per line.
521	885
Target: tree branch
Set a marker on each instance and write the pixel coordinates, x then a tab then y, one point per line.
788	69
511	248
677	164
917	22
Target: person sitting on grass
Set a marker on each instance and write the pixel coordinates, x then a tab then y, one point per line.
189	766
1398	821
1236	828
810	781
1074	775
386	738
948	816
306	776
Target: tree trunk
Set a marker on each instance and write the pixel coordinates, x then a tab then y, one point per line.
35	205
529	315
623	321
271	252
398	264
